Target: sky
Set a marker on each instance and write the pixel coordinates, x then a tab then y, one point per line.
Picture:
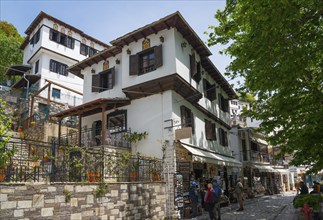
107	20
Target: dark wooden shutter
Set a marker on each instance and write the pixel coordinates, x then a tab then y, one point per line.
192	122
212	93
134	65
226	105
205	87
220	136
213	131
198	72
193	65
58	38
158	56
183	118
208	130
95	83
225	134
112	76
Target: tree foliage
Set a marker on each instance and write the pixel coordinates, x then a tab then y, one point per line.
10	41
277	47
5	124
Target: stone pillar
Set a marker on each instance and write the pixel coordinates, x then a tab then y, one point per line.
169	173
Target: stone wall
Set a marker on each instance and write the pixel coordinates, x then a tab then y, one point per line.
122	202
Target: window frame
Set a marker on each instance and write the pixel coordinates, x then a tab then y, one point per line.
210	130
187	118
56	91
114	114
98	83
209	90
58	67
223	137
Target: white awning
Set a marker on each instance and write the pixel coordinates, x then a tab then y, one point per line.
284	171
264	168
204	156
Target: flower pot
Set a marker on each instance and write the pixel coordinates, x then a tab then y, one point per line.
2	175
133	176
93	176
156	177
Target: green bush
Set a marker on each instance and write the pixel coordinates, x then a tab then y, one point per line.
313	200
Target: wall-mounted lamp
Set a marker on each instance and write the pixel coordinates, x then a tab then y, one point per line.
92	70
128	51
161	38
117	61
183	45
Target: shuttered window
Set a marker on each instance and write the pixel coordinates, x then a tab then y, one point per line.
61	38
187	118
223	135
104	80
210	130
209	90
146	61
84	50
58	67
195	69
223	103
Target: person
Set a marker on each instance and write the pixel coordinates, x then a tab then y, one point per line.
316	187
193	193
209	200
239	192
297	185
303	188
218	193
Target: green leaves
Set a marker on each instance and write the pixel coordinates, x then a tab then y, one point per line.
276	48
10	53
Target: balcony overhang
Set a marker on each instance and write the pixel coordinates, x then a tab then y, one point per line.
92	107
23	82
17	70
171	82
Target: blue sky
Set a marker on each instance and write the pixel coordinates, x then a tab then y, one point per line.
108	20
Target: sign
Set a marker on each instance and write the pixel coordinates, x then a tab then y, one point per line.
292	169
183	133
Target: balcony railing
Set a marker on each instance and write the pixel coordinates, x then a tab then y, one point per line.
256	156
92	137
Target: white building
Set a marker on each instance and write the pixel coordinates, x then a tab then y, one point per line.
50	47
158	79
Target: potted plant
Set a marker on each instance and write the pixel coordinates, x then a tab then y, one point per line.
134	170
48	156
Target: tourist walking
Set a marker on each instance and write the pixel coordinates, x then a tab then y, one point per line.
209	201
218	193
193	193
239	192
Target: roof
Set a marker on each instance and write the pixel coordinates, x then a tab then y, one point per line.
17	70
22	82
175	20
102	55
93	107
43	15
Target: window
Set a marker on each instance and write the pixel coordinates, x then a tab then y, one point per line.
86	50
104	80
116	121
146	61
209	90
223	137
253	146
223	103
56	93
35	38
36	66
187	118
210	131
61	38
58	67
195	69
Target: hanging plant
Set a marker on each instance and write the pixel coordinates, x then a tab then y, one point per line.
135	137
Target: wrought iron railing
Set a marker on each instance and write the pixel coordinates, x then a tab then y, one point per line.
41	161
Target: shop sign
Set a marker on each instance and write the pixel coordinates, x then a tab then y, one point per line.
292	169
183	133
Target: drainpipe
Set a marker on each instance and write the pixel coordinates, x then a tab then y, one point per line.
27	85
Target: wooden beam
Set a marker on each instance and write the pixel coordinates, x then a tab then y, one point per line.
59	131
64	87
42	89
32	105
80	131
48	94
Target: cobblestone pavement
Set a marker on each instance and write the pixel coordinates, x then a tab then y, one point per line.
274	207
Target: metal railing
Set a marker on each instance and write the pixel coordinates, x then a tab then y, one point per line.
42	161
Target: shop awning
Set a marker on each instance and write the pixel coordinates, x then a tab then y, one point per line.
283	171
264	168
204	156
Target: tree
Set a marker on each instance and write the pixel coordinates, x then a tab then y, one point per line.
10	41
277	47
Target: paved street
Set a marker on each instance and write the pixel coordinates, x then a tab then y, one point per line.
275	207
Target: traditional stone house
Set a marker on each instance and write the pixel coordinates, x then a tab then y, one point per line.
158	79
